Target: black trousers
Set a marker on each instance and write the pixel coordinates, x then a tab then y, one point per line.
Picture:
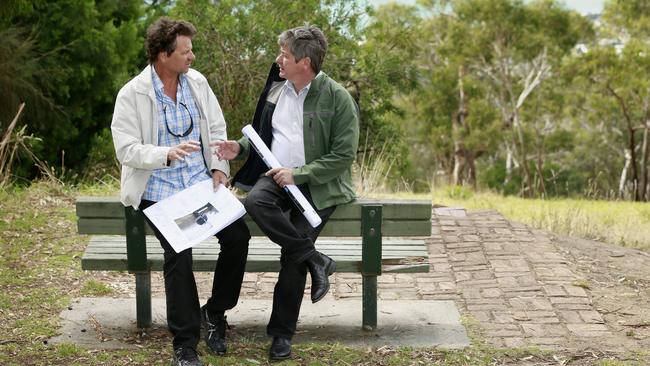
279	218
183	309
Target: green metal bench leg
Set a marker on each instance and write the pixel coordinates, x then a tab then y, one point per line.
370	262
136	252
143	299
369	320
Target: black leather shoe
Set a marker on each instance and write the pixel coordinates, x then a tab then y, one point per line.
320	267
186	356
215	331
280	349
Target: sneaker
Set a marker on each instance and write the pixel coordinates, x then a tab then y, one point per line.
186	356
215	331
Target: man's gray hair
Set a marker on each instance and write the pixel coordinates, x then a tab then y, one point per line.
306	41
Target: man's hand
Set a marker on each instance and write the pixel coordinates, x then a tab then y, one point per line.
219	177
226	149
180	151
281	176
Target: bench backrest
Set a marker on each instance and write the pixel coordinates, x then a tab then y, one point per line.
105	216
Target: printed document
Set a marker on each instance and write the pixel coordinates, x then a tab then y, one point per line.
194	214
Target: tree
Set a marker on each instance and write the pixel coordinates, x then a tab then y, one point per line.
87	50
515	48
455	98
487	56
612	73
385	69
237	42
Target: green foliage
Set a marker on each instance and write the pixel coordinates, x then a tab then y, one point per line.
386	66
237	42
23	77
492	174
629	16
77	54
498	55
405	65
612	100
101	162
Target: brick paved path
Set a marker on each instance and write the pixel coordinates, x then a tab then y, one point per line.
512	280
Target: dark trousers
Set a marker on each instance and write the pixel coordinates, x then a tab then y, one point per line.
183	309
279	218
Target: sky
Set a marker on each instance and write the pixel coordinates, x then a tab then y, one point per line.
582	6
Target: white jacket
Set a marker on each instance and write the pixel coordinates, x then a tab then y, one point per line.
135	131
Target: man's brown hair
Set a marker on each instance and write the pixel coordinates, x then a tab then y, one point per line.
161	36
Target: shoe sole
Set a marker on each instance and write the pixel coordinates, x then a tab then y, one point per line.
330	269
280	358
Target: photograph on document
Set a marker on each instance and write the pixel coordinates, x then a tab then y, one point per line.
198	222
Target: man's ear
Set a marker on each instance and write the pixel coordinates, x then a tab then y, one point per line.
306	62
162	56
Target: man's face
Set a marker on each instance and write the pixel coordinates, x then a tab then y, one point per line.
289	68
180	60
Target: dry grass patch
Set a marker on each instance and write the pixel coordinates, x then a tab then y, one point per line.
616	222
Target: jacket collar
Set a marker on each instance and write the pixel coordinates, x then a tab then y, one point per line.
317	84
144	84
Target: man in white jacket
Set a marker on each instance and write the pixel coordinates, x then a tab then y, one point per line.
164	121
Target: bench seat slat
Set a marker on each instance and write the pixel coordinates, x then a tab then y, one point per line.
268	251
334	228
108	252
107	244
110	207
118	263
101	239
113	246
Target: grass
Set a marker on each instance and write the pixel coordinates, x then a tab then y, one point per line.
95	288
622	223
40	274
107	186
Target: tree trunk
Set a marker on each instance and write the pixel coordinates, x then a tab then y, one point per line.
463	158
631	149
626	167
472	171
529	189
540	172
635	173
509	164
644	166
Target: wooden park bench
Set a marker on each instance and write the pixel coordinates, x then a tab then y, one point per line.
365	236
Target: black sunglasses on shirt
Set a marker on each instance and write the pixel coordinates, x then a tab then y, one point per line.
189	130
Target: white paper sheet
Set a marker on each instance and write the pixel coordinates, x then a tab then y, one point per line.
194	214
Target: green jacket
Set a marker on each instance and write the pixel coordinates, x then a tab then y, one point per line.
331	137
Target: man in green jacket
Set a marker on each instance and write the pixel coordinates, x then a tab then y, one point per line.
311	124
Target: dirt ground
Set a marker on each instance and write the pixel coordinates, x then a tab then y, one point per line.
618	281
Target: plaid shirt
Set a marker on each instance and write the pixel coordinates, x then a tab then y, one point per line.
177	117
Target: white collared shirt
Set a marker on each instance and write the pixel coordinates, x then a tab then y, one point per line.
288	142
